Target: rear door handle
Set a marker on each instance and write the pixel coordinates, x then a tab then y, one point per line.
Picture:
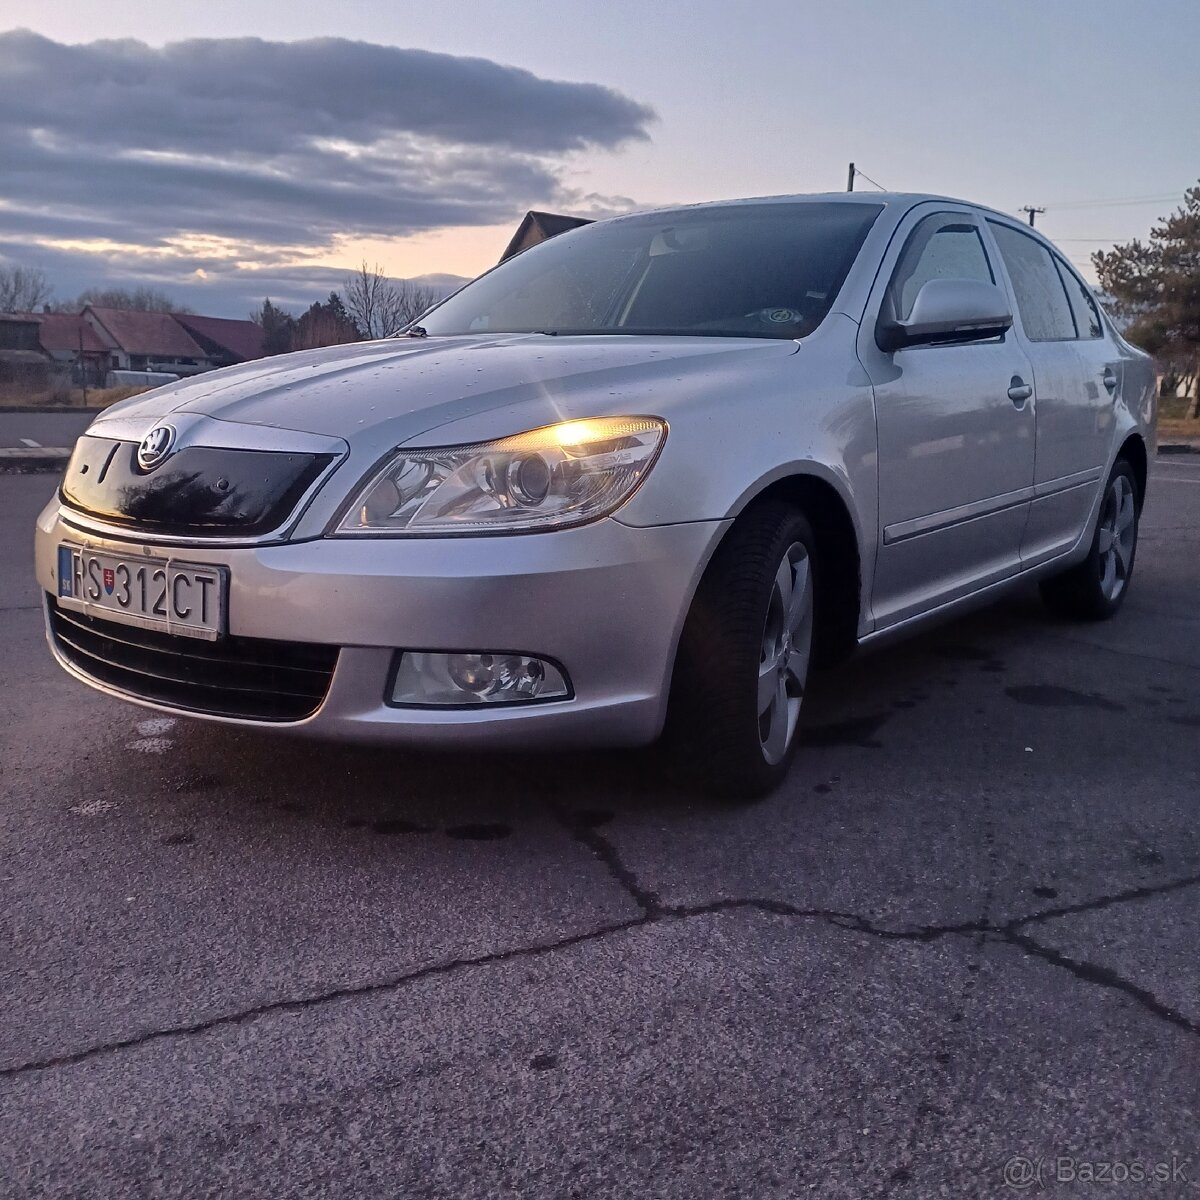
1018	390
1110	380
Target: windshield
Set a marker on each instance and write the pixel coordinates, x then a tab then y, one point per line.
744	270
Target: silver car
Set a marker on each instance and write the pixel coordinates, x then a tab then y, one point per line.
636	479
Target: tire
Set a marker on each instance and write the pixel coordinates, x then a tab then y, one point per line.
1096	588
747	636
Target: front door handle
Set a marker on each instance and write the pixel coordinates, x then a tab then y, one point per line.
1110	380
1019	391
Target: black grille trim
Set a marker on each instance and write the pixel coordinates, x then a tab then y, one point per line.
200	491
254	679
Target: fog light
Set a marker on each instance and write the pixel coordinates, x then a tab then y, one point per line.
476	678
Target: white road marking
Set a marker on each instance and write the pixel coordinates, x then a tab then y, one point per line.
30	443
1171	479
155	726
151	745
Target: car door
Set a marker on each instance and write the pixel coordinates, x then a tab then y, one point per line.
955	427
1076	377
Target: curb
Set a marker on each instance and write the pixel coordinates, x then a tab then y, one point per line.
22	461
1179	448
51	408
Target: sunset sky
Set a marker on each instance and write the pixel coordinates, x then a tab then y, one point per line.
224	151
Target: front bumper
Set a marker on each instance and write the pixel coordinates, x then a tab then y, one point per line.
606	600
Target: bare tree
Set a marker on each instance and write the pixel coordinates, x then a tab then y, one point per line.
379	306
22	289
416	299
140	299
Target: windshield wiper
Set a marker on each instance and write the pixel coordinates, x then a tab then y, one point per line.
416	331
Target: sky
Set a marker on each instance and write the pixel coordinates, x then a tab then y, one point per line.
229	150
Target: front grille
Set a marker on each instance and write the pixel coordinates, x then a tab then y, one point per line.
200	491
252	678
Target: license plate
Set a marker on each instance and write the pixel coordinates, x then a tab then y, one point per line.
151	593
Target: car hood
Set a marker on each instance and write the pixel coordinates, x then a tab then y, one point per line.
397	390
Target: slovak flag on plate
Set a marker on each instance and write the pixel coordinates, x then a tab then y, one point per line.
66	573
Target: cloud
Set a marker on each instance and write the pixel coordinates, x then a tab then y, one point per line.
270	146
214	286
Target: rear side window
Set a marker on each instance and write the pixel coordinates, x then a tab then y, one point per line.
1087	315
1041	297
944	246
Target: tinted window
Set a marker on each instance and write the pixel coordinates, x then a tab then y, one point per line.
747	270
1041	298
1083	307
943	246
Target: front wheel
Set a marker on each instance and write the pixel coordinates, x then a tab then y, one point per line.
744	655
1094	590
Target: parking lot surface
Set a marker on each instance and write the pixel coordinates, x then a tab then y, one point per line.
961	940
19	429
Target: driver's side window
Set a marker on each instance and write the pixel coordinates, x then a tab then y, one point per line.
942	246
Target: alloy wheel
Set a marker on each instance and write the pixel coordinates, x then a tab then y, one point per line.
1117	537
785	652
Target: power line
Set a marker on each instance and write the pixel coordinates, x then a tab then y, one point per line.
869	180
854	173
1119	201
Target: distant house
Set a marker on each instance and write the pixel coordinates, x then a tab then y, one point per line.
537	227
225	341
118	339
147	341
67	338
174	343
23	365
19	336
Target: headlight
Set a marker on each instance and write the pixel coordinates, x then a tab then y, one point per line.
545	479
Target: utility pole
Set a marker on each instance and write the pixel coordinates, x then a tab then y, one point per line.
850	179
1033	212
82	364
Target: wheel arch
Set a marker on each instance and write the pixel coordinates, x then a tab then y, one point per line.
1133	451
823	498
839	598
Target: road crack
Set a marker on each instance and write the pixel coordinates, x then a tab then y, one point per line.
654	912
1101	902
983	928
1105	977
354	991
582	827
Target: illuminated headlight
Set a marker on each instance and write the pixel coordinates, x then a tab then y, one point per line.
425	678
545	479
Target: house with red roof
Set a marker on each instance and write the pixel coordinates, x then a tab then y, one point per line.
224	340
67	337
538	227
117	339
173	343
146	341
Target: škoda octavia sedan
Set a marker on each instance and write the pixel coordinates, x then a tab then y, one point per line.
640	476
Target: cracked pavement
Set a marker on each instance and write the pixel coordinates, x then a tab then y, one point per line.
965	929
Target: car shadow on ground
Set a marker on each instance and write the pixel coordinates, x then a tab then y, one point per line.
483	796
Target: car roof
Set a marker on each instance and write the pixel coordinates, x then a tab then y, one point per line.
901	200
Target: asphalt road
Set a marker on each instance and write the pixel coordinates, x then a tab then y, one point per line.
23	429
964	931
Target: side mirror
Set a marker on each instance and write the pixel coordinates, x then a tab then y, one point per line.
948	310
